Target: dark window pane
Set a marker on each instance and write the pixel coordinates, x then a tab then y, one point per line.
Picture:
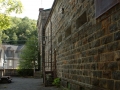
103	5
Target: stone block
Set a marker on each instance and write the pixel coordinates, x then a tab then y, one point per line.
107	57
112	46
74	87
96	58
116	75
113	66
119	24
97	74
117	56
94	66
103	83
107	39
113	27
107	74
95	81
117	85
110	84
91	38
117	36
99	34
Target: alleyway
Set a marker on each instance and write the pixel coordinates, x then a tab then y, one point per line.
25	84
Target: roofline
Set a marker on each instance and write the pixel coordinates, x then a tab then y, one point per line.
51	12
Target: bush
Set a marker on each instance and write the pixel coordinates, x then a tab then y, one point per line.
25	72
56	82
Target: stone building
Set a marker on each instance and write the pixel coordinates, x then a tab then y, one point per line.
42	18
83	43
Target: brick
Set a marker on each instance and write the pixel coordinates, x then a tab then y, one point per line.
107	74
103	83
102	66
91	38
101	49
97	58
110	84
107	57
107	39
90	59
116	75
117	85
87	80
74	87
112	46
99	34
115	16
105	23
119	24
95	44
94	66
113	65
97	74
113	27
117	36
92	52
95	81
117	56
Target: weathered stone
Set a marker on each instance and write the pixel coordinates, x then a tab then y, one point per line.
116	75
89	56
107	39
103	83
117	36
95	81
113	66
113	27
110	84
101	49
97	74
117	85
107	74
99	34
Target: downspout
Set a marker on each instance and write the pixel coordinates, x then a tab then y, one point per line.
51	44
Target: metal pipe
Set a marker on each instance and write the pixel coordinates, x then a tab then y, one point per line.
51	43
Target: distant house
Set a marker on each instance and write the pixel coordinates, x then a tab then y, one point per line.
1	57
10	56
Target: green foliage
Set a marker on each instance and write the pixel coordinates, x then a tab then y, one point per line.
7	7
20	31
56	82
29	55
25	72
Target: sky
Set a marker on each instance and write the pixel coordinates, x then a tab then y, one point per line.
31	8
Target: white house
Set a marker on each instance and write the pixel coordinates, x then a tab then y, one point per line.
10	56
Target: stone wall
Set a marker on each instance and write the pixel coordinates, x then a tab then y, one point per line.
87	48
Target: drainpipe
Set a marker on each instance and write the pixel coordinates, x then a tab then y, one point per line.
51	43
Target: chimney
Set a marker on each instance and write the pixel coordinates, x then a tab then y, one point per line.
41	9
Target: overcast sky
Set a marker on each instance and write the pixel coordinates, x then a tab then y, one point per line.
31	8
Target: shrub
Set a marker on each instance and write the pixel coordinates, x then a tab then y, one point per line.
56	82
25	72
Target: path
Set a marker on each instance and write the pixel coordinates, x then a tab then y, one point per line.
19	83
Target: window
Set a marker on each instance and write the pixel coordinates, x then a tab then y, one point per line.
68	32
103	5
10	62
81	20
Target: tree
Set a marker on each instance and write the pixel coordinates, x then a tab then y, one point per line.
29	54
23	28
7	7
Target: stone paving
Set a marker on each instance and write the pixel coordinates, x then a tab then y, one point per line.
20	83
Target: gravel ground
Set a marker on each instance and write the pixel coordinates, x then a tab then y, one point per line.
19	83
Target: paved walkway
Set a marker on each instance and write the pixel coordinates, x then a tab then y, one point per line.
19	83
